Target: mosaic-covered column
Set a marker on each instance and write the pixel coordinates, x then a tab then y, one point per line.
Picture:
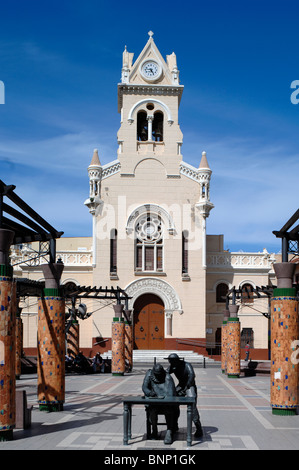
233	343
73	339
224	341
7	339
223	346
128	341
51	342
284	342
118	342
19	342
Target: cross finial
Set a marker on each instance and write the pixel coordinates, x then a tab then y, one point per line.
150	33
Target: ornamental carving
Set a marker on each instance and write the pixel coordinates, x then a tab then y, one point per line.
154	286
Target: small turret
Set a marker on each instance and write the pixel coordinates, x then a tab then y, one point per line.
95	179
204	177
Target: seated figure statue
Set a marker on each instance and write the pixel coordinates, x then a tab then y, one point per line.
158	383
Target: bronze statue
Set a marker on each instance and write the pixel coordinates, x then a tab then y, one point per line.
186	387
158	383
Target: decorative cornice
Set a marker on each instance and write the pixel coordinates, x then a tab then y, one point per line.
110	169
189	171
147	89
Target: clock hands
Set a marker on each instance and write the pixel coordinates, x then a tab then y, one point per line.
150	69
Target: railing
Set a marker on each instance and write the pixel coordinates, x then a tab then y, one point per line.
31	257
262	260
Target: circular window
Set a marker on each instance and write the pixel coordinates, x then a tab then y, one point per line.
149	228
150	106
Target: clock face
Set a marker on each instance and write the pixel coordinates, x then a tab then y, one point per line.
150	69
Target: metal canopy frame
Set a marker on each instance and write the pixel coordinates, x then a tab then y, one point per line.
290	239
30	288
83	292
259	292
28	225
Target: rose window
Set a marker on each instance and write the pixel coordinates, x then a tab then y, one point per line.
149	228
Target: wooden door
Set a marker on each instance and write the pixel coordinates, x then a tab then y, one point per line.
149	322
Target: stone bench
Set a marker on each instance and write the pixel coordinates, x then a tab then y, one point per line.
255	367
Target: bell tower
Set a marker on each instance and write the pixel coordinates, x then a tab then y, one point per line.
148	101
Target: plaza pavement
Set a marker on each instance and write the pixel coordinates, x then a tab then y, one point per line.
235	415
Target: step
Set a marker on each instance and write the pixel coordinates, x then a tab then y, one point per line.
161	356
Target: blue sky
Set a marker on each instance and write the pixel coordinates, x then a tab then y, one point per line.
61	61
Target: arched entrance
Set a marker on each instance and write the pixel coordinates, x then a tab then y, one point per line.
148	322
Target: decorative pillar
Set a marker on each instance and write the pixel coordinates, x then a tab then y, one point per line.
128	341
223	346
19	342
51	342
7	339
150	119
168	315
224	342
118	341
233	343
73	339
284	340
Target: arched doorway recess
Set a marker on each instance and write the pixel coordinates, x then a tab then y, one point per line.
148	322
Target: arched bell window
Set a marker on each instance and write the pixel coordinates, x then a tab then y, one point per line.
158	126
142	126
150	125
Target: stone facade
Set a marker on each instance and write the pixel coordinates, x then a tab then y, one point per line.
149	210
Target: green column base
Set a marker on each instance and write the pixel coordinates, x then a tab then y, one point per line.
284	411
117	373
6	271
6	435
52	292
285	292
51	407
233	376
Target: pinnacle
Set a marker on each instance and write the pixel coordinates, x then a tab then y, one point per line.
204	161
95	158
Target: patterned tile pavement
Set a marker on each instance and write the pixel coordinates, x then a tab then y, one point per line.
235	415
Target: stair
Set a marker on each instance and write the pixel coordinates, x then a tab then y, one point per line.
147	356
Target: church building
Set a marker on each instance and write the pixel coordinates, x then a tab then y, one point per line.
149	210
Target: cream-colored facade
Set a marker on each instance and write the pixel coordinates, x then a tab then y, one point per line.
149	210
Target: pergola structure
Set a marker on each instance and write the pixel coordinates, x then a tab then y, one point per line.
28	226
20	224
289	237
244	293
290	245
